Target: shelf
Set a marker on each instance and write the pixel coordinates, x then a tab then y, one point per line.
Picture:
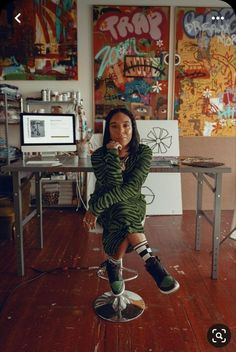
57	205
35	101
44	180
10	107
9	97
10	121
8	111
11	158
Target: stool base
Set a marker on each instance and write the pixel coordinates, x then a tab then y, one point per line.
118	309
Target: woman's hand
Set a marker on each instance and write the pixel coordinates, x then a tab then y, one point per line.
114	145
89	220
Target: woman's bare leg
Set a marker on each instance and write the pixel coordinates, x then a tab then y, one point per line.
121	250
133	239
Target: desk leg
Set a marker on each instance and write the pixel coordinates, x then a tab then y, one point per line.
233	226
216	226
198	211
85	195
39	214
18	223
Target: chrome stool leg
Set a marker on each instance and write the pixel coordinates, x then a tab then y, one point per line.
121	308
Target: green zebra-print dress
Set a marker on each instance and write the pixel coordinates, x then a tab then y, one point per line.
117	200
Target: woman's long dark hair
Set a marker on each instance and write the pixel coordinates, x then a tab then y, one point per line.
135	140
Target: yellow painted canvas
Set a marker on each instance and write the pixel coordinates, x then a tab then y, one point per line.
205	73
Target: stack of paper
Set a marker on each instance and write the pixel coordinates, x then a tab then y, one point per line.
66	193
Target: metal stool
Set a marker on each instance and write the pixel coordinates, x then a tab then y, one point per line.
120	308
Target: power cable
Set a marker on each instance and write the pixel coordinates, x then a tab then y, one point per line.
39	275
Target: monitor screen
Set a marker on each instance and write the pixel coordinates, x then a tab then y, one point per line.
47	132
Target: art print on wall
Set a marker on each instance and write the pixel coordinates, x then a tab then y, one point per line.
131	45
43	46
205	91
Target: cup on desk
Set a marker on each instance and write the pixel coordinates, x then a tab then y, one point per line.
83	149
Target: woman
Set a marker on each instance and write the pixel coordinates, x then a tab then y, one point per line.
121	166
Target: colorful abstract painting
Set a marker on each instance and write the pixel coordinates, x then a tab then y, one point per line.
43	46
131	45
205	91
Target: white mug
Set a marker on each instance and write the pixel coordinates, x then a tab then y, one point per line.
83	150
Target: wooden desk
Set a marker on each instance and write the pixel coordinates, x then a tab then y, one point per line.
73	164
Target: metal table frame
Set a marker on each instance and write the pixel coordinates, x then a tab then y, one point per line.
73	164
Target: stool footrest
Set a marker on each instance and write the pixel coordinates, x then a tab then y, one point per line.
103	274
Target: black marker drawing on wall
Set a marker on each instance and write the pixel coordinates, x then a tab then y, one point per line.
149	195
158	139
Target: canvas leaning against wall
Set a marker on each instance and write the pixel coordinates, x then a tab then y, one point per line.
131	45
162	190
44	45
205	89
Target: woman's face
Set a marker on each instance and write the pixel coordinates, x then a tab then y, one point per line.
121	129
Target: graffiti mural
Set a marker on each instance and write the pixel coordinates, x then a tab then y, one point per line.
131	45
205	90
43	46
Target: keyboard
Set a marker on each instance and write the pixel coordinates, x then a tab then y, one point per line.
43	162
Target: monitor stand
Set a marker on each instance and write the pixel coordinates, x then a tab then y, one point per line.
49	156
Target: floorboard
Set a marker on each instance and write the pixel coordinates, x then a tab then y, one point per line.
51	308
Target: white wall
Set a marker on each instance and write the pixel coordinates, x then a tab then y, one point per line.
85	50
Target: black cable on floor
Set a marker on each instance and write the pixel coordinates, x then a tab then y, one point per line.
18	286
43	273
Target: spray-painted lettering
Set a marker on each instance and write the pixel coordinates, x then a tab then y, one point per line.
121	26
228	113
110	55
197	24
227	40
228	123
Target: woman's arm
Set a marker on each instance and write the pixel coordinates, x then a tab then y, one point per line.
128	189
107	168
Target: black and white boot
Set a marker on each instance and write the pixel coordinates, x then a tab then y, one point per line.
165	282
116	281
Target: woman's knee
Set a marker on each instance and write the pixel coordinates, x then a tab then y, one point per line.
135	238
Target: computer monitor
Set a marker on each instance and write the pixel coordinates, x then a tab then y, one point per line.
47	133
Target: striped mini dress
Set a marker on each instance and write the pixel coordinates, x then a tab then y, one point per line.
117	200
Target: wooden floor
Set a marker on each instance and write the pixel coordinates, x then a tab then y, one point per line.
53	312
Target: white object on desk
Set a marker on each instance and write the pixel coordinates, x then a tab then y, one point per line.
83	149
43	162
